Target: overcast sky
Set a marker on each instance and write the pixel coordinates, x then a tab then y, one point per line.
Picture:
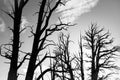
104	12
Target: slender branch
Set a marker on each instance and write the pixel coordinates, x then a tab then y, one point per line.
9	14
23	60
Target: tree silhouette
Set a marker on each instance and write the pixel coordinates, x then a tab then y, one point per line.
61	63
64	60
43	30
80	60
12	54
102	52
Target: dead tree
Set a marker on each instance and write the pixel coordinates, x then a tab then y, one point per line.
12	53
64	59
102	52
80	60
43	31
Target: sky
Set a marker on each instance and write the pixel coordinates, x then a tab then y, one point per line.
106	13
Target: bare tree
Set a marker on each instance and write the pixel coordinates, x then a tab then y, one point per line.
43	30
98	42
64	60
12	54
102	52
80	60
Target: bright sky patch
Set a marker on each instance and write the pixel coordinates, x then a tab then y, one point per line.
2	25
75	8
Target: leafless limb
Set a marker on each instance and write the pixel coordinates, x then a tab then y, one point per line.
101	55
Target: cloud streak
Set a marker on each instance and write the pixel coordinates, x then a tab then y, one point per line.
75	8
2	25
24	22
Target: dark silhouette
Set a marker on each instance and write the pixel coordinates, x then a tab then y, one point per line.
60	66
12	55
64	61
80	60
43	30
102	53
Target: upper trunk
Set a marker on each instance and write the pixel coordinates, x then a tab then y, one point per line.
12	75
35	49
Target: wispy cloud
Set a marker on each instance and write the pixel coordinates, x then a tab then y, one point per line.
24	22
75	8
2	25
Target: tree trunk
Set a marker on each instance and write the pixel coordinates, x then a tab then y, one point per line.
71	72
31	66
35	51
81	58
12	75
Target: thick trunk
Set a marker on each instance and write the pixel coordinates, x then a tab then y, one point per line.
31	66
93	72
93	61
35	50
12	75
95	76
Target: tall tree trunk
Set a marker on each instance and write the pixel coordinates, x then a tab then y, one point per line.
31	66
82	68
93	59
35	51
81	58
12	75
95	75
93	70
